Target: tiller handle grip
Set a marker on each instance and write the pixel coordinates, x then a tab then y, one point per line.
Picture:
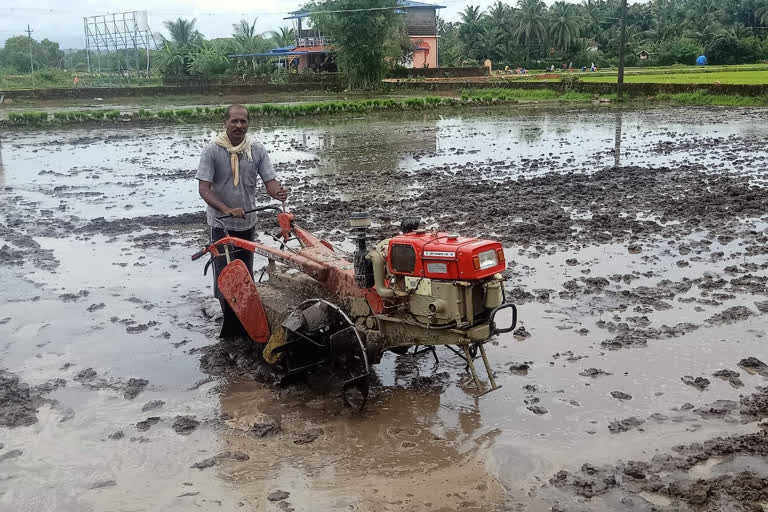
199	254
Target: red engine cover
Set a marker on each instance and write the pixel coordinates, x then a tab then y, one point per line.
443	256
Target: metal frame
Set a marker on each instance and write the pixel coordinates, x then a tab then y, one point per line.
114	32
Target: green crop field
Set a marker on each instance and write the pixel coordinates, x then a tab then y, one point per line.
724	77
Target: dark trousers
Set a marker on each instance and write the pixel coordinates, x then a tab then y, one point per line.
231	325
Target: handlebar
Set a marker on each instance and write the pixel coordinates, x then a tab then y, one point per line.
199	254
258	209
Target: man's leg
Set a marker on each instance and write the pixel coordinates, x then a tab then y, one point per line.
231	326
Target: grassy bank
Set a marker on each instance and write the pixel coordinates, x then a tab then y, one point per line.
705	98
471	97
467	98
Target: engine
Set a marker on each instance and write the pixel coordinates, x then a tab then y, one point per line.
436	285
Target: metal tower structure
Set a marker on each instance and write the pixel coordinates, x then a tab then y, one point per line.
116	33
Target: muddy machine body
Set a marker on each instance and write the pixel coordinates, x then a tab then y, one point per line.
323	308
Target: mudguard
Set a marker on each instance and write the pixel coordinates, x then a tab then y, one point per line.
237	287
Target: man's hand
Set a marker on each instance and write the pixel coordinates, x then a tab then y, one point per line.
235	212
276	190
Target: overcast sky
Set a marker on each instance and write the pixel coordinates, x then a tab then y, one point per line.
62	20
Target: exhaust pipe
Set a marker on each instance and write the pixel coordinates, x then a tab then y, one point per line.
360	223
376	259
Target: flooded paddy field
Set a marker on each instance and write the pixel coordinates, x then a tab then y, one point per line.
636	244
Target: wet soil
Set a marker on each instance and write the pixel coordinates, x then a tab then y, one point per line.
635	381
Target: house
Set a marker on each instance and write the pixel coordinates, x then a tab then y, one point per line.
644	55
312	47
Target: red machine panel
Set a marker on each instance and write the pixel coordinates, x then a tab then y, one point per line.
444	256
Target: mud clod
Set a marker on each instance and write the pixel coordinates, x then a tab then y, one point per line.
117	435
278	496
145	425
185	425
152	405
521	332
537	409
594	373
620	395
18	405
754	365
134	388
309	436
625	425
731	376
103	484
731	315
264	429
212	461
699	383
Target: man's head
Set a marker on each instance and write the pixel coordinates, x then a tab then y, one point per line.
236	123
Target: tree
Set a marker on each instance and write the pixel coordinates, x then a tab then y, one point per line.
564	28
366	35
183	32
469	32
284	36
531	30
245	39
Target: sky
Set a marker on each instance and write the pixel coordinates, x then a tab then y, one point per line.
62	21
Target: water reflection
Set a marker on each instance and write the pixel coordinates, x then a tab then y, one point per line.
617	139
2	168
329	456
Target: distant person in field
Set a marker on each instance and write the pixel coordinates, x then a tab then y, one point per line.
76	81
229	173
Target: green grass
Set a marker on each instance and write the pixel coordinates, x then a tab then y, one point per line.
499	95
724	77
47	79
705	98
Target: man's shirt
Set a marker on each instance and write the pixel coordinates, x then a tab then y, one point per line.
216	168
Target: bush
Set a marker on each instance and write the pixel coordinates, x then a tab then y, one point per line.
678	51
729	50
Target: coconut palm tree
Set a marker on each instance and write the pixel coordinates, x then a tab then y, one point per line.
285	36
469	33
183	32
530	28
565	25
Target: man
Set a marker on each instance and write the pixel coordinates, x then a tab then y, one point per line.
228	177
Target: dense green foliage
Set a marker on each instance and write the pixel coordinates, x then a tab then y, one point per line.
367	37
531	35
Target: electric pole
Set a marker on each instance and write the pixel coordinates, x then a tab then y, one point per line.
622	46
31	61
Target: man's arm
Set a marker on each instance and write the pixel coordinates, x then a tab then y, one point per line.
276	190
268	176
209	196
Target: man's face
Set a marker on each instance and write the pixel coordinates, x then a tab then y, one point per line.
237	125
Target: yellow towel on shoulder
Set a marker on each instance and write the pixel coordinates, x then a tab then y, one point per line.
234	152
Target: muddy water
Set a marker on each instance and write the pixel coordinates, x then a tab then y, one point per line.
97	227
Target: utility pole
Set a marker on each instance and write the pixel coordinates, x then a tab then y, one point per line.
31	62
622	46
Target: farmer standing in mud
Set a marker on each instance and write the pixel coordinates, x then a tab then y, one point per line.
228	177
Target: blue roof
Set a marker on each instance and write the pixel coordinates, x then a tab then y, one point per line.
406	4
